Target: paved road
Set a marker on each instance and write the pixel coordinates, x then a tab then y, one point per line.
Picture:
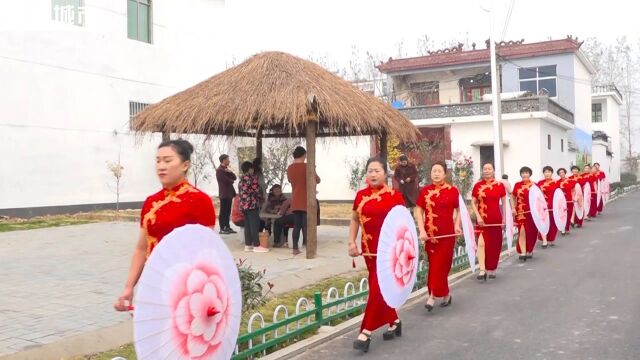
579	300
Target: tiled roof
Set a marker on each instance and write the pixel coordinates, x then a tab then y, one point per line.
508	51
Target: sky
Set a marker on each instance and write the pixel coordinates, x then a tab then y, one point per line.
332	26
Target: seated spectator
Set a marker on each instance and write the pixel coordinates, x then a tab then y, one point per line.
282	224
272	205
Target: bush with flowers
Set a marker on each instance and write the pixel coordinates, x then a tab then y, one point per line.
462	173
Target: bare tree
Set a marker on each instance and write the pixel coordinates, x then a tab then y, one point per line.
619	64
425	44
200	169
276	161
116	170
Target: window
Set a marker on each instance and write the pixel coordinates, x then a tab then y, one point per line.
561	145
139	20
426	93
549	141
68	11
540	80
596	113
134	109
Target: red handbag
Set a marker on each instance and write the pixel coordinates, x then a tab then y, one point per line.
237	217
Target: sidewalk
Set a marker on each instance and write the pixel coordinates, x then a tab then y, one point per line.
59	284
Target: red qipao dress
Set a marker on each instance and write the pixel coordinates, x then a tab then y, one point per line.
566	185
601	176
548	188
524	220
438	203
580	180
593	182
169	209
488	194
372	206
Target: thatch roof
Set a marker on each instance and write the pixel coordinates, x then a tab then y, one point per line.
277	93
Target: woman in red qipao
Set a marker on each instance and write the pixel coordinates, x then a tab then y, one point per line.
438	220
567	185
600	175
177	204
485	200
590	177
527	231
548	187
370	208
577	179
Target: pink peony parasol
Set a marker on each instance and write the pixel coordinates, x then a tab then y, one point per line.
397	259
539	209
559	209
578	202
189	300
586	197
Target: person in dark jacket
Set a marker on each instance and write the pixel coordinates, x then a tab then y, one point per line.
227	192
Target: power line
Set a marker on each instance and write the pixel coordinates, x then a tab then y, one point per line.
506	23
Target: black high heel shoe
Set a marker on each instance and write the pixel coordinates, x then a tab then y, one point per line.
492	276
429	307
446	303
482	277
362	345
390	334
522	257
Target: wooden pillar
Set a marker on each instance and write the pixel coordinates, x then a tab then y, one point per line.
166	136
259	144
312	205
384	151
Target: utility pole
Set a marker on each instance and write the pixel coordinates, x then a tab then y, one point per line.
496	105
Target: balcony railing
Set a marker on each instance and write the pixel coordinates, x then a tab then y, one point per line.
521	105
599	89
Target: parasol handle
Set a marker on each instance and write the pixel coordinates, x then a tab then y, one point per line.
443	236
487	225
353	260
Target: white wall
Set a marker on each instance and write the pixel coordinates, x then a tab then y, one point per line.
558	156
64	99
611	126
600	156
582	84
523	150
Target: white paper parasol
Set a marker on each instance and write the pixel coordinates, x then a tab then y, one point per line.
469	233
397	259
586	199
606	191
189	301
578	202
539	209
559	209
508	225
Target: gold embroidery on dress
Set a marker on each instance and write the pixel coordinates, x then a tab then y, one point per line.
521	201
482	207
430	215
150	217
376	195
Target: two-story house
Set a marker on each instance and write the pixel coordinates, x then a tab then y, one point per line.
605	123
546	102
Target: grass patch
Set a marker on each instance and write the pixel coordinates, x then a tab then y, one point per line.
39	222
336	211
288	299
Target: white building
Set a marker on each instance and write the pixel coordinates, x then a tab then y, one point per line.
73	71
443	93
605	123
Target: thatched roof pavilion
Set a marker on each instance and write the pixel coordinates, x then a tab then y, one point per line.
275	95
